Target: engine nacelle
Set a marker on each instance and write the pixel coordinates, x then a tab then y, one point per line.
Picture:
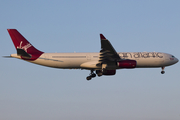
127	64
105	72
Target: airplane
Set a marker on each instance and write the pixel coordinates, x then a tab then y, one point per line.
105	62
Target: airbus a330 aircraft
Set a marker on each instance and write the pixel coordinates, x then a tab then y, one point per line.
104	62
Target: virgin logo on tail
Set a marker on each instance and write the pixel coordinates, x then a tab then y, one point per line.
24	47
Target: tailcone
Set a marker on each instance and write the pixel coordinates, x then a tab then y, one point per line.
15	56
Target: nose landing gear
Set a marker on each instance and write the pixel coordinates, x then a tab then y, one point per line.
91	75
162	72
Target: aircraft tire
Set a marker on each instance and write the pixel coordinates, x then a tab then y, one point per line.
93	75
88	78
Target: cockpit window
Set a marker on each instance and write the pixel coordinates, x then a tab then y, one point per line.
172	56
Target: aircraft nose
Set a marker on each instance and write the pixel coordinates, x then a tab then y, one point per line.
176	60
173	59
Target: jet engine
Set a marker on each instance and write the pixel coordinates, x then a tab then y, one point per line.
127	64
105	72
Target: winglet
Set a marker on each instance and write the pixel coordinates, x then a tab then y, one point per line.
102	37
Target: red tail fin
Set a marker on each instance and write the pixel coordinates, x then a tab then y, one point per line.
21	43
24	48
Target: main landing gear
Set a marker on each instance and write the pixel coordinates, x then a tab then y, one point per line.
91	75
162	72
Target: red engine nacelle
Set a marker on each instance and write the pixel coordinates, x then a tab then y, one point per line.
105	72
127	64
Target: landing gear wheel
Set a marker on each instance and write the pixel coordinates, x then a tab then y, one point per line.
91	75
88	78
162	72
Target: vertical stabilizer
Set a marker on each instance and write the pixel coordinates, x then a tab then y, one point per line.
24	48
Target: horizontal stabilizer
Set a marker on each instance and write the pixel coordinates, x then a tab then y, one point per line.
23	53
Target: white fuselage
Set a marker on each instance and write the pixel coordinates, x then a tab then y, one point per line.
90	60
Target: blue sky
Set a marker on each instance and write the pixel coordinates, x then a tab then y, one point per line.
30	91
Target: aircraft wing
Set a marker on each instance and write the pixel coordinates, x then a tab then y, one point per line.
108	53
